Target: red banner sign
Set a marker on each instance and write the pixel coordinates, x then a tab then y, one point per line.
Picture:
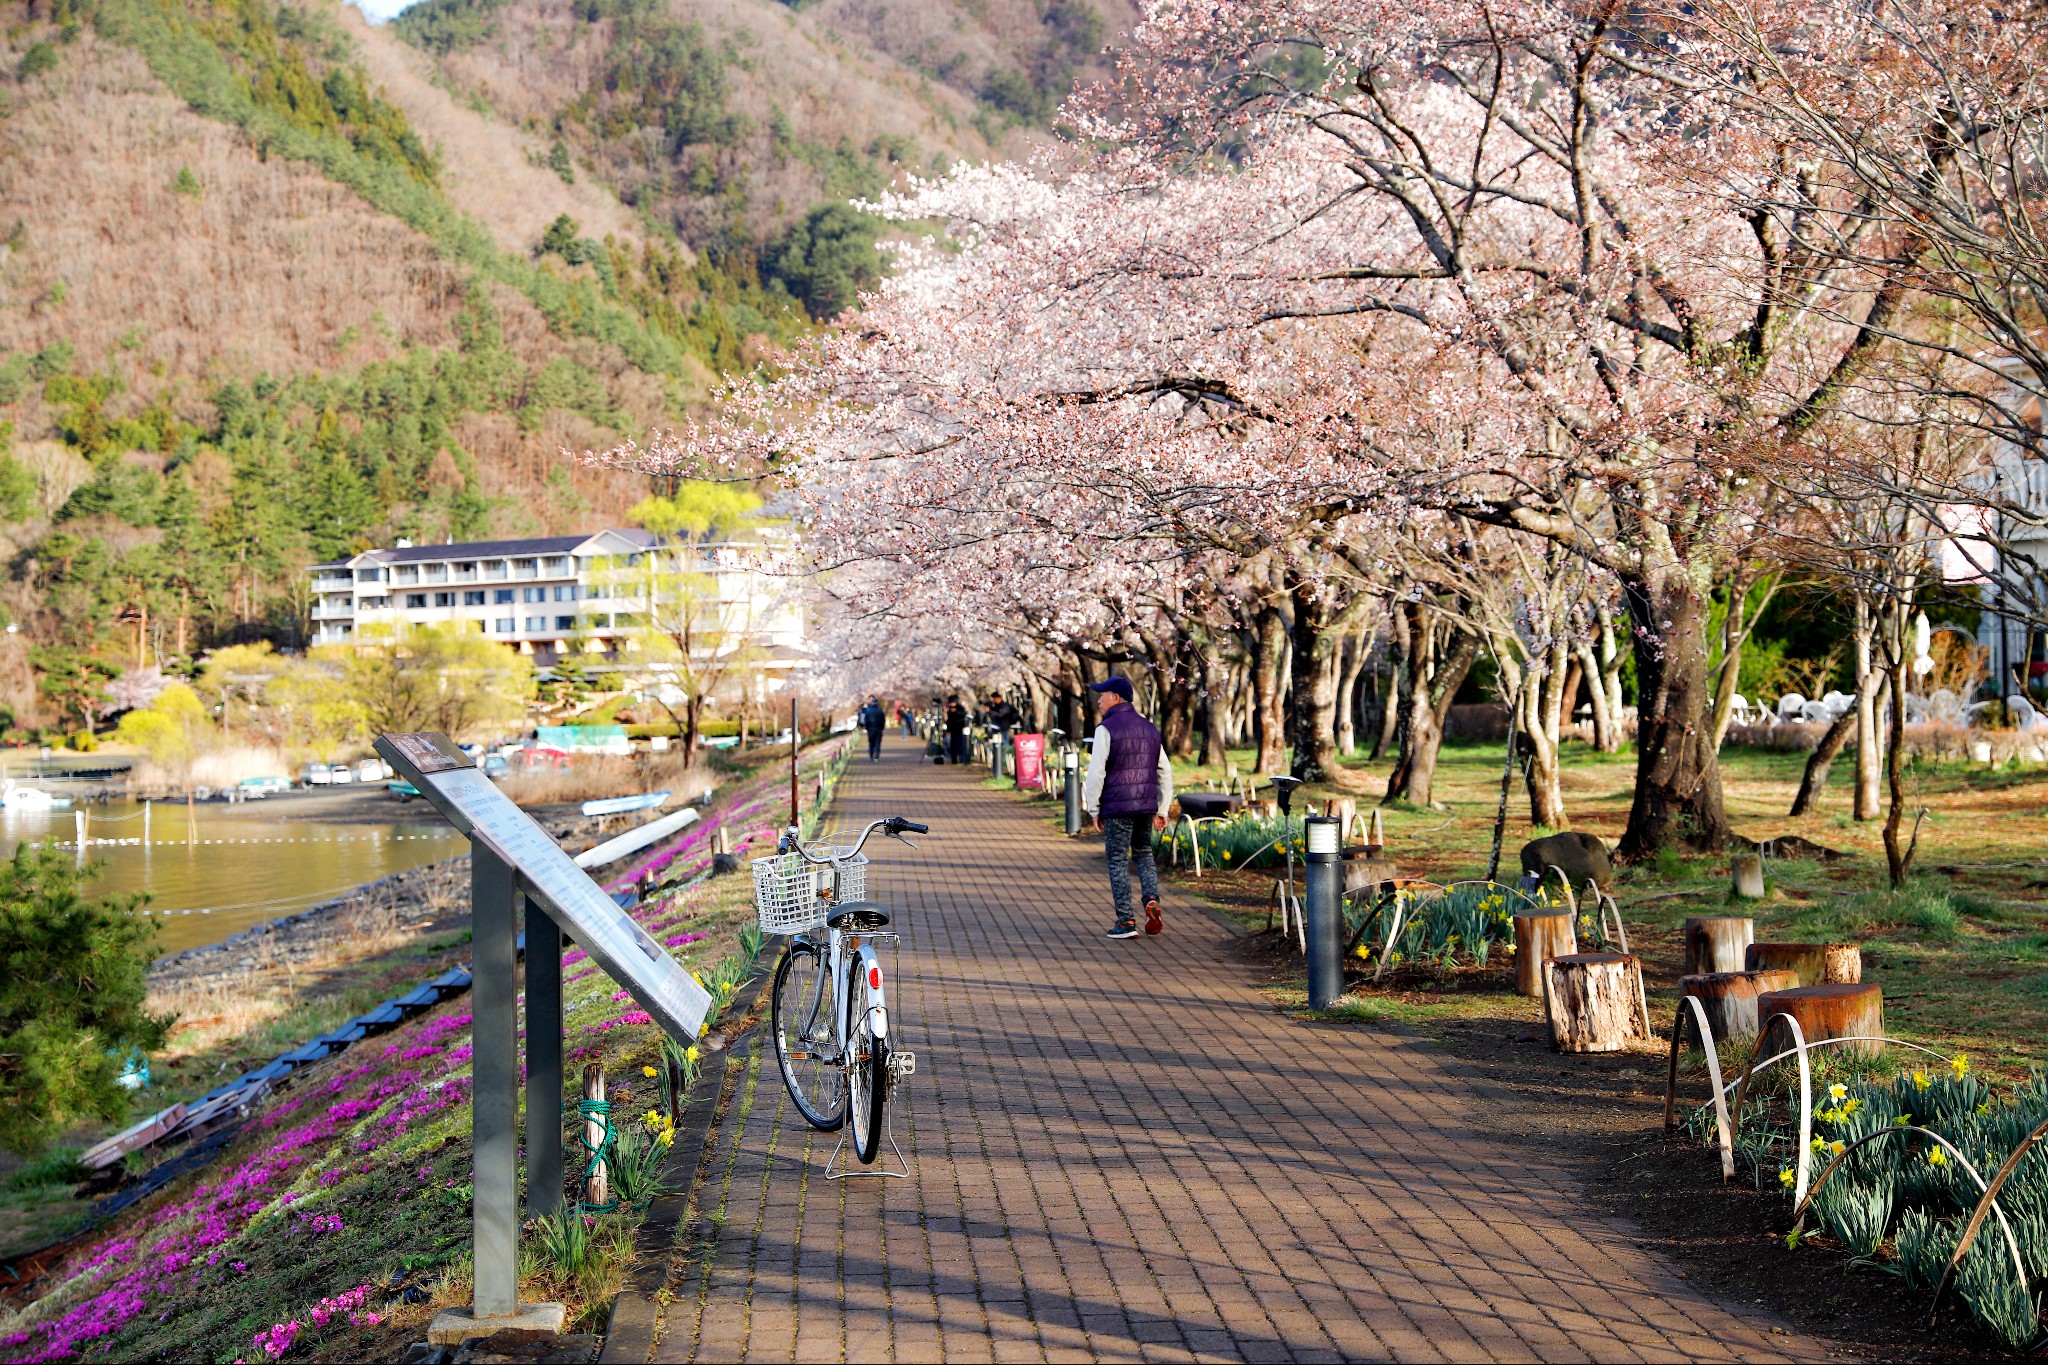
1030	764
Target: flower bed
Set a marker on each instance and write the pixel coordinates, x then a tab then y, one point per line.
340	1217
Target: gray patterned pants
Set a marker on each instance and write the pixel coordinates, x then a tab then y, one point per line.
1127	839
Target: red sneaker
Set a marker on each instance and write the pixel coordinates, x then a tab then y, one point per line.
1153	924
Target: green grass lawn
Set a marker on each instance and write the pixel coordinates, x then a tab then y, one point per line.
1962	951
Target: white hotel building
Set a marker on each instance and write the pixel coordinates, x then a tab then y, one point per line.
546	596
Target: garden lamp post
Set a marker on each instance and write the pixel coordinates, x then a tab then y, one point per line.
1325	918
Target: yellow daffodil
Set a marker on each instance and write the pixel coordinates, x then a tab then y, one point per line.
1851	1107
652	1118
1785	1176
1920	1080
648	1071
1836	1147
668	1136
1961	1064
1937	1157
692	1054
1838	1091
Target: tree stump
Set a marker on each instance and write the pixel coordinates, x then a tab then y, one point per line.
1816	963
1842	1009
1729	999
1716	943
1595	1002
1746	873
1538	938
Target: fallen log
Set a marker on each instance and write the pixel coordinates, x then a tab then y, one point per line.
1595	1002
1538	938
1716	943
1729	999
1840	1009
1815	963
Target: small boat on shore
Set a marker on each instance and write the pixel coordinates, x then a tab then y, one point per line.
621	805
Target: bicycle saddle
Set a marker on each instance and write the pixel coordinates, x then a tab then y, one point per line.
858	915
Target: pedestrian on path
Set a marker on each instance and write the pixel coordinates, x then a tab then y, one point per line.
874	720
1130	786
956	730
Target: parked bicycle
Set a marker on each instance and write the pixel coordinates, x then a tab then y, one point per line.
829	1010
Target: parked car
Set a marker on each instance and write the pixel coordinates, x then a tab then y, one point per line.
371	770
495	767
254	788
318	774
341	772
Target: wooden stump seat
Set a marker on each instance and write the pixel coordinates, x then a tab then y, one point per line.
1538	938
1717	943
1815	963
1729	999
1836	1009
1595	1002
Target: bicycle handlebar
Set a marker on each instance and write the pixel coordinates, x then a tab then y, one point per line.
893	826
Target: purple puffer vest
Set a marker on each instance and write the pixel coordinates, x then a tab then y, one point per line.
1130	786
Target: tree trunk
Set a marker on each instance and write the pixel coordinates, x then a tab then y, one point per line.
1176	715
1266	726
1433	670
1898	857
1215	704
1678	775
1605	722
1542	702
1347	694
1868	678
1314	698
1595	1002
1815	778
1390	695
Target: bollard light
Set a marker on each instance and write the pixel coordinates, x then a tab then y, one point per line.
1070	761
1324	913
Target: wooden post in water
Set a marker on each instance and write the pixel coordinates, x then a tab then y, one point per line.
145	824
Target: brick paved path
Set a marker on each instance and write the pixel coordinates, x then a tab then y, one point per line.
1120	1150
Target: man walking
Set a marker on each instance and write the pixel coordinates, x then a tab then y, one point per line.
1129	787
873	720
956	730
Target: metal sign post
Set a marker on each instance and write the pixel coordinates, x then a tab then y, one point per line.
513	860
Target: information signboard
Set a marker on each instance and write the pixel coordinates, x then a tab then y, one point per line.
473	804
1030	760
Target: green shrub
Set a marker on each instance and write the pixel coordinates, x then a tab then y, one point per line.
39	58
58	1166
72	987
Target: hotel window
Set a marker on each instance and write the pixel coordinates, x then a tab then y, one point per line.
503	625
536	623
502	596
437	573
558	564
406	573
522	568
534	594
473	598
494	568
565	623
415	599
444	599
565	592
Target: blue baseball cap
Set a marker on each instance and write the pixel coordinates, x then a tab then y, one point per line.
1119	685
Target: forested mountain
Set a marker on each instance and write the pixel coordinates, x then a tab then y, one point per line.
276	284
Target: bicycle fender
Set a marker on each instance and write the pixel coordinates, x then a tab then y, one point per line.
878	1012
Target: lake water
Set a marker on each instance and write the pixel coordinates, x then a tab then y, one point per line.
231	866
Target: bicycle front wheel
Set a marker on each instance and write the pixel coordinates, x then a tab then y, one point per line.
867	1070
802	1013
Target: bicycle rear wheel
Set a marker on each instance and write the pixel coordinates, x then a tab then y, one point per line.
802	1013
867	1071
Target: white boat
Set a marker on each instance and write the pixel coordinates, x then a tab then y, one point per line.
619	805
16	797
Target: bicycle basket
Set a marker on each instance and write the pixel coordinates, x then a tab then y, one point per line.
792	895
